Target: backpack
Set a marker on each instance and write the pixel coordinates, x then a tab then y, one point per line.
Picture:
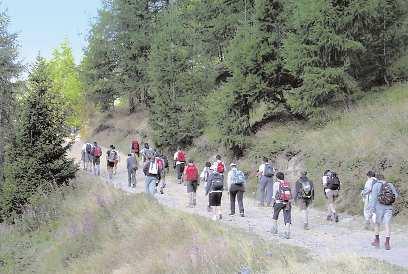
284	193
268	170
97	151
88	148
307	189
220	167
160	163
333	182
217	181
239	178
153	168
181	156
191	173
135	145
112	156
386	196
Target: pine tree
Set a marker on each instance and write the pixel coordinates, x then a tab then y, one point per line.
9	70
36	161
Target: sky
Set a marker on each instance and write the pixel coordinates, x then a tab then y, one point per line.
43	25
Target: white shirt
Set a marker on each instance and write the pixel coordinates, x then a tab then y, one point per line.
367	188
230	178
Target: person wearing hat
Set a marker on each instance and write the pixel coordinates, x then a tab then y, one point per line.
304	195
111	158
236	186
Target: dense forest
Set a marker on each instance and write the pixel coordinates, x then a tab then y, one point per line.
206	66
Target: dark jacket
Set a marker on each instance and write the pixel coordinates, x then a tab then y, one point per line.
298	187
146	169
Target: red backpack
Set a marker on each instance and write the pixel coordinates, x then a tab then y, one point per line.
220	167
160	163
181	156
97	151
135	145
284	193
191	173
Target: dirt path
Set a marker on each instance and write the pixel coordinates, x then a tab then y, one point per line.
325	239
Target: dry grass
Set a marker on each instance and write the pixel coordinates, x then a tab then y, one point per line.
102	230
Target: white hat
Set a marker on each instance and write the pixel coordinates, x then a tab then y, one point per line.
233	164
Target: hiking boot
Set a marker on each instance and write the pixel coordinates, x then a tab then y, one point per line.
242	214
336	217
387	245
306	226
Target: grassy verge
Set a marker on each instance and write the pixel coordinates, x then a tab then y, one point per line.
102	230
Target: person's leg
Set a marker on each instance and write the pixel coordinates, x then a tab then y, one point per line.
261	191
129	177
387	228
178	177
98	169
232	201
240	198
367	214
269	192
147	181
152	186
276	210
378	220
287	218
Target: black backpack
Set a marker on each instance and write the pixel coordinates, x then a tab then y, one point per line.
217	181
333	181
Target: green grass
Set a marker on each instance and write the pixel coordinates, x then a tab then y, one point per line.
102	230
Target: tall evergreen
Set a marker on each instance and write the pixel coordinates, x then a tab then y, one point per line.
36	160
9	70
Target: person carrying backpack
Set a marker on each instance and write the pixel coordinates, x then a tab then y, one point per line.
96	154
132	167
151	171
265	186
135	148
162	172
219	167
111	160
145	151
191	177
179	164
365	194
382	198
331	186
214	188
304	196
236	185
282	196
86	156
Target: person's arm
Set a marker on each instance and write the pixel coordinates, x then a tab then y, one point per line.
146	168
275	190
394	190
208	185
374	195
297	190
313	192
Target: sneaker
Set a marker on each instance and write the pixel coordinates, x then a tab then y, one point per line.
232	214
376	243
274	230
242	214
306	226
161	191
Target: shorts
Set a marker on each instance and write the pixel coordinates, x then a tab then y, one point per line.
111	164
215	198
383	215
331	195
192	186
287	209
97	160
304	203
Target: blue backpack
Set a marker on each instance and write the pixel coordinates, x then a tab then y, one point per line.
239	178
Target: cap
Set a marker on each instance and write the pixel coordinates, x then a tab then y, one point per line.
233	164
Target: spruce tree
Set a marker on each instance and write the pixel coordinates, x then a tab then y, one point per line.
36	161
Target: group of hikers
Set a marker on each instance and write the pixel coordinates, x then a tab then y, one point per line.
273	189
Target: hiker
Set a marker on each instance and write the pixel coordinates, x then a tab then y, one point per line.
304	196
236	186
191	179
179	164
219	167
365	194
265	186
205	174
131	168
115	167
282	201
145	151
111	158
151	172
382	198
135	148
86	156
331	186
96	156
162	173
214	188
